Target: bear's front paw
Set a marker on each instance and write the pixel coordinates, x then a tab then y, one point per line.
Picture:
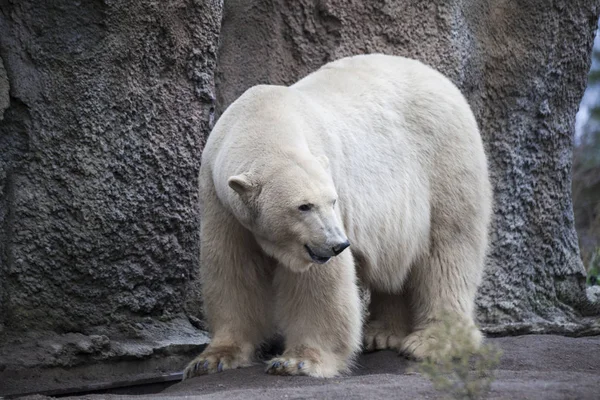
440	341
304	360
216	359
290	366
379	337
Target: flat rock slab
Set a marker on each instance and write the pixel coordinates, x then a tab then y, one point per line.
532	367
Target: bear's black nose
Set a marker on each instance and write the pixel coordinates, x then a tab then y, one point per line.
338	248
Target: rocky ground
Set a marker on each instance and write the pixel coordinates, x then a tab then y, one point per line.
532	367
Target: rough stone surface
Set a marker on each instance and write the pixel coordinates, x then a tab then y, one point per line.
4	90
47	361
532	367
110	104
522	66
593	294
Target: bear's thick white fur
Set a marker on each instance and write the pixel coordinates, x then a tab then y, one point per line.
380	150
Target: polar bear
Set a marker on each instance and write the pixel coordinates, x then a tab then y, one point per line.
371	168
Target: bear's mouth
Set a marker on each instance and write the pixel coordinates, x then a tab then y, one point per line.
316	258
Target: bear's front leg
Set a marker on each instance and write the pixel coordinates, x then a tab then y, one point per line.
219	357
237	293
319	312
443	292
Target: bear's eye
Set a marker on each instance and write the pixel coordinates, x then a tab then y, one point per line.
305	207
333	202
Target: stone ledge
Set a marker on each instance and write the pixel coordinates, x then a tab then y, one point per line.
54	364
61	363
572	328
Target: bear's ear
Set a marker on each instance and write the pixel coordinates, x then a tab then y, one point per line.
324	161
241	184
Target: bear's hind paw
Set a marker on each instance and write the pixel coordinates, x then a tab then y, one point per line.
377	337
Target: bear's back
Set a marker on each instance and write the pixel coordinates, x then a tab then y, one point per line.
404	146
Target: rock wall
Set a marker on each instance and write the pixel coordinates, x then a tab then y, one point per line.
521	64
109	106
586	170
4	89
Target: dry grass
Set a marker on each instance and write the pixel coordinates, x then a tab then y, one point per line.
467	372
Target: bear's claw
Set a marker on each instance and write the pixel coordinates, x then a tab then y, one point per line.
199	367
292	366
215	360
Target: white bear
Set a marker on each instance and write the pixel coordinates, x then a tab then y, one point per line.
372	168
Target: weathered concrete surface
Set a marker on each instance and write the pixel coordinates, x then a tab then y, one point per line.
532	367
110	104
586	168
4	90
522	66
100	145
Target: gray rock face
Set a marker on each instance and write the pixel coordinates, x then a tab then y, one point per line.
4	90
522	66
110	103
593	294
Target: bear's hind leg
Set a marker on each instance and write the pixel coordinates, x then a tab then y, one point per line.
442	292
319	313
389	321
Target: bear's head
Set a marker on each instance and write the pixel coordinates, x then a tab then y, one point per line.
291	208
